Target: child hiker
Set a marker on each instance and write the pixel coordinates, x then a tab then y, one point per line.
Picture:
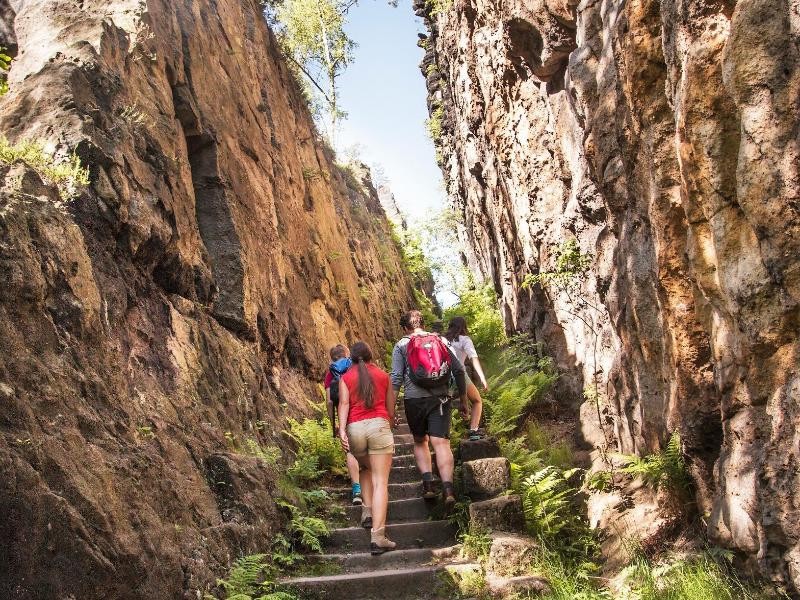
340	363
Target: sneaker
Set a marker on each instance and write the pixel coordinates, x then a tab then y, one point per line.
427	490
475	435
357	500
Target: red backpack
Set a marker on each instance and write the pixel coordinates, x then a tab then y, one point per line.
428	360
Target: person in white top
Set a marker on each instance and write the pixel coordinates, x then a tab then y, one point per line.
462	344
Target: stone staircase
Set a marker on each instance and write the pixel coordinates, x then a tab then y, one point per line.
425	545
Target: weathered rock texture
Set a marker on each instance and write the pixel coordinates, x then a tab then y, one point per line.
662	136
190	293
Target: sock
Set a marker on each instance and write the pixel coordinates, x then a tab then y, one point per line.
447	485
356	489
427	476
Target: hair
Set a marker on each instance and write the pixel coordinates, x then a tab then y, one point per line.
411	320
338	351
456	328
361	354
437	327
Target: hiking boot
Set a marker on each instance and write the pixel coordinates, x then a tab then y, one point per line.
366	517
449	497
427	490
380	543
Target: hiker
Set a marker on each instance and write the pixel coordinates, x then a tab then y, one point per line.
459	339
340	363
422	364
366	412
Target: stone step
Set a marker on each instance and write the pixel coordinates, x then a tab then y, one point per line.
408	460
400	511
421	534
363	562
402	429
403	438
397	491
419	583
403	448
404	474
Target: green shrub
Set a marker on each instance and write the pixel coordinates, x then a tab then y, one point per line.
666	469
318	451
5	65
250	579
478	305
570	266
693	578
476	543
434	124
568	578
69	176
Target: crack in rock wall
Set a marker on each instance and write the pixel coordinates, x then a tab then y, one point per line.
662	136
188	297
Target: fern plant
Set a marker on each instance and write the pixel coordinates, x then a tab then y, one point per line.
304	530
5	65
546	500
250	579
662	470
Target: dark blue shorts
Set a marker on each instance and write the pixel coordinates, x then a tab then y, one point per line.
429	416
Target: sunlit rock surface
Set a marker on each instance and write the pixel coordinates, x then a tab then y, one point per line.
663	138
181	305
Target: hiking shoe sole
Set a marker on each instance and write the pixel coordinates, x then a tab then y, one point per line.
367	523
376	550
357	501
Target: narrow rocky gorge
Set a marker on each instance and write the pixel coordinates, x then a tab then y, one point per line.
178	309
661	137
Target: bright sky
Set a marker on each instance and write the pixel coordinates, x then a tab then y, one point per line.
383	92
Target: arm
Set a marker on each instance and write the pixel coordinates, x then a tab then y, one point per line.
331	412
391	396
459	373
398	368
476	363
344	412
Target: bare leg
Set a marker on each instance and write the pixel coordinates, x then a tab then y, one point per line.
476	405
444	458
422	454
353	468
380	465
366	481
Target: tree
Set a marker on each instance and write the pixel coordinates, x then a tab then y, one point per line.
312	34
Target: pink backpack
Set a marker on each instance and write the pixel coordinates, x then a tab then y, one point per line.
428	360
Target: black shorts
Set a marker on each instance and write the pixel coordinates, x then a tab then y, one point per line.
428	416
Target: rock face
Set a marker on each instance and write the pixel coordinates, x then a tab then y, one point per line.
177	310
661	138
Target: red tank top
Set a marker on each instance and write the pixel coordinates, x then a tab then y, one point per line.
359	412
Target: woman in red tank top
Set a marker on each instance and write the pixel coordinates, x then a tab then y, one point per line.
366	412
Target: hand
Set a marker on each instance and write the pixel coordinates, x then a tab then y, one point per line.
344	440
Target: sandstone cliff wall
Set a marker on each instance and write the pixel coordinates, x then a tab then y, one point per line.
192	291
662	136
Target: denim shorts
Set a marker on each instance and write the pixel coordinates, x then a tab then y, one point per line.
370	436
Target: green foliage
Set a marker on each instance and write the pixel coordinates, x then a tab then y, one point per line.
5	65
526	378
436	7
418	265
666	469
69	176
318	451
478	305
599	481
305	531
434	124
250	579
569	578
270	455
546	499
570	265
693	578
476	543
312	33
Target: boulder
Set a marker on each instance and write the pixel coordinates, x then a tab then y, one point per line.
504	587
486	478
510	554
485	448
498	514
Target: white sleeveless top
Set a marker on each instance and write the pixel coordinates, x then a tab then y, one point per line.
464	348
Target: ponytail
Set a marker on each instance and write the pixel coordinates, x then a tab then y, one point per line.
361	354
